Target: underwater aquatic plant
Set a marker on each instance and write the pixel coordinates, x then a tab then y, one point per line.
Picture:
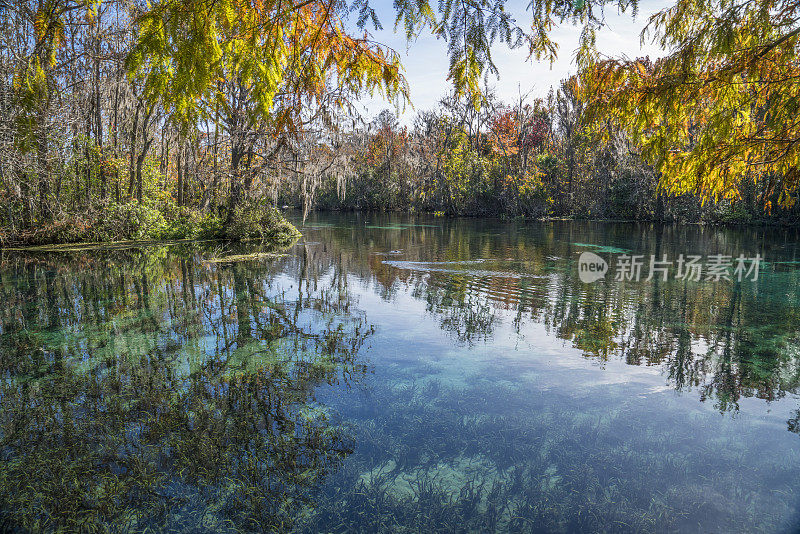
150	404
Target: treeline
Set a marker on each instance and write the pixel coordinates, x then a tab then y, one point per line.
103	135
123	119
532	158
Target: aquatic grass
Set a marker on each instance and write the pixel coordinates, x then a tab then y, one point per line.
603	249
254	256
136	422
550	481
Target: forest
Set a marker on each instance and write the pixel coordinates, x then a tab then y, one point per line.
123	119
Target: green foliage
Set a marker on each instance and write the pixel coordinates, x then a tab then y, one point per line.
113	222
259	220
186	51
192	225
731	213
130	220
163	220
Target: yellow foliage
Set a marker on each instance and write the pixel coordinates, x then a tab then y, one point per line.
187	50
721	108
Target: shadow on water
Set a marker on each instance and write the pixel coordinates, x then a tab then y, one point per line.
211	389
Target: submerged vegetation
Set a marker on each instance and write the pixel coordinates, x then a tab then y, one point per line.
533	467
108	420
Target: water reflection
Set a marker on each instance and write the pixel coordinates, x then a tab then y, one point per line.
727	340
557	406
153	389
168	389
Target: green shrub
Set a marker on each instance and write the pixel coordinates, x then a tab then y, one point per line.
728	212
259	220
160	219
129	220
190	224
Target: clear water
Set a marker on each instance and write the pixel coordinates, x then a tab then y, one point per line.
401	374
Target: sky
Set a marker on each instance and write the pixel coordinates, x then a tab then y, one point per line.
425	60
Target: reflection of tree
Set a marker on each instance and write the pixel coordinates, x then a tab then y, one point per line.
715	337
725	340
464	313
793	423
165	392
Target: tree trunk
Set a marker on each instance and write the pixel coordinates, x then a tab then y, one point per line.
132	149
139	164
26	200
186	161
180	176
146	142
98	116
234	199
248	177
43	169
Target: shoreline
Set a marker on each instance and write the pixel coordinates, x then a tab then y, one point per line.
719	224
80	246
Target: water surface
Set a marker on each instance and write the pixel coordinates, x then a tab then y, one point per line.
402	375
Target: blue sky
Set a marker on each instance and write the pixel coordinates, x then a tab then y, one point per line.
425	60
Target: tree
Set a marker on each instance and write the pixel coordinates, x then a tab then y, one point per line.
37	43
721	109
257	65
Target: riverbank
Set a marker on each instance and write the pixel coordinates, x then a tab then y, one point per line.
723	219
146	222
139	224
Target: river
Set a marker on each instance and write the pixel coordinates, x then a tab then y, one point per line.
407	374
